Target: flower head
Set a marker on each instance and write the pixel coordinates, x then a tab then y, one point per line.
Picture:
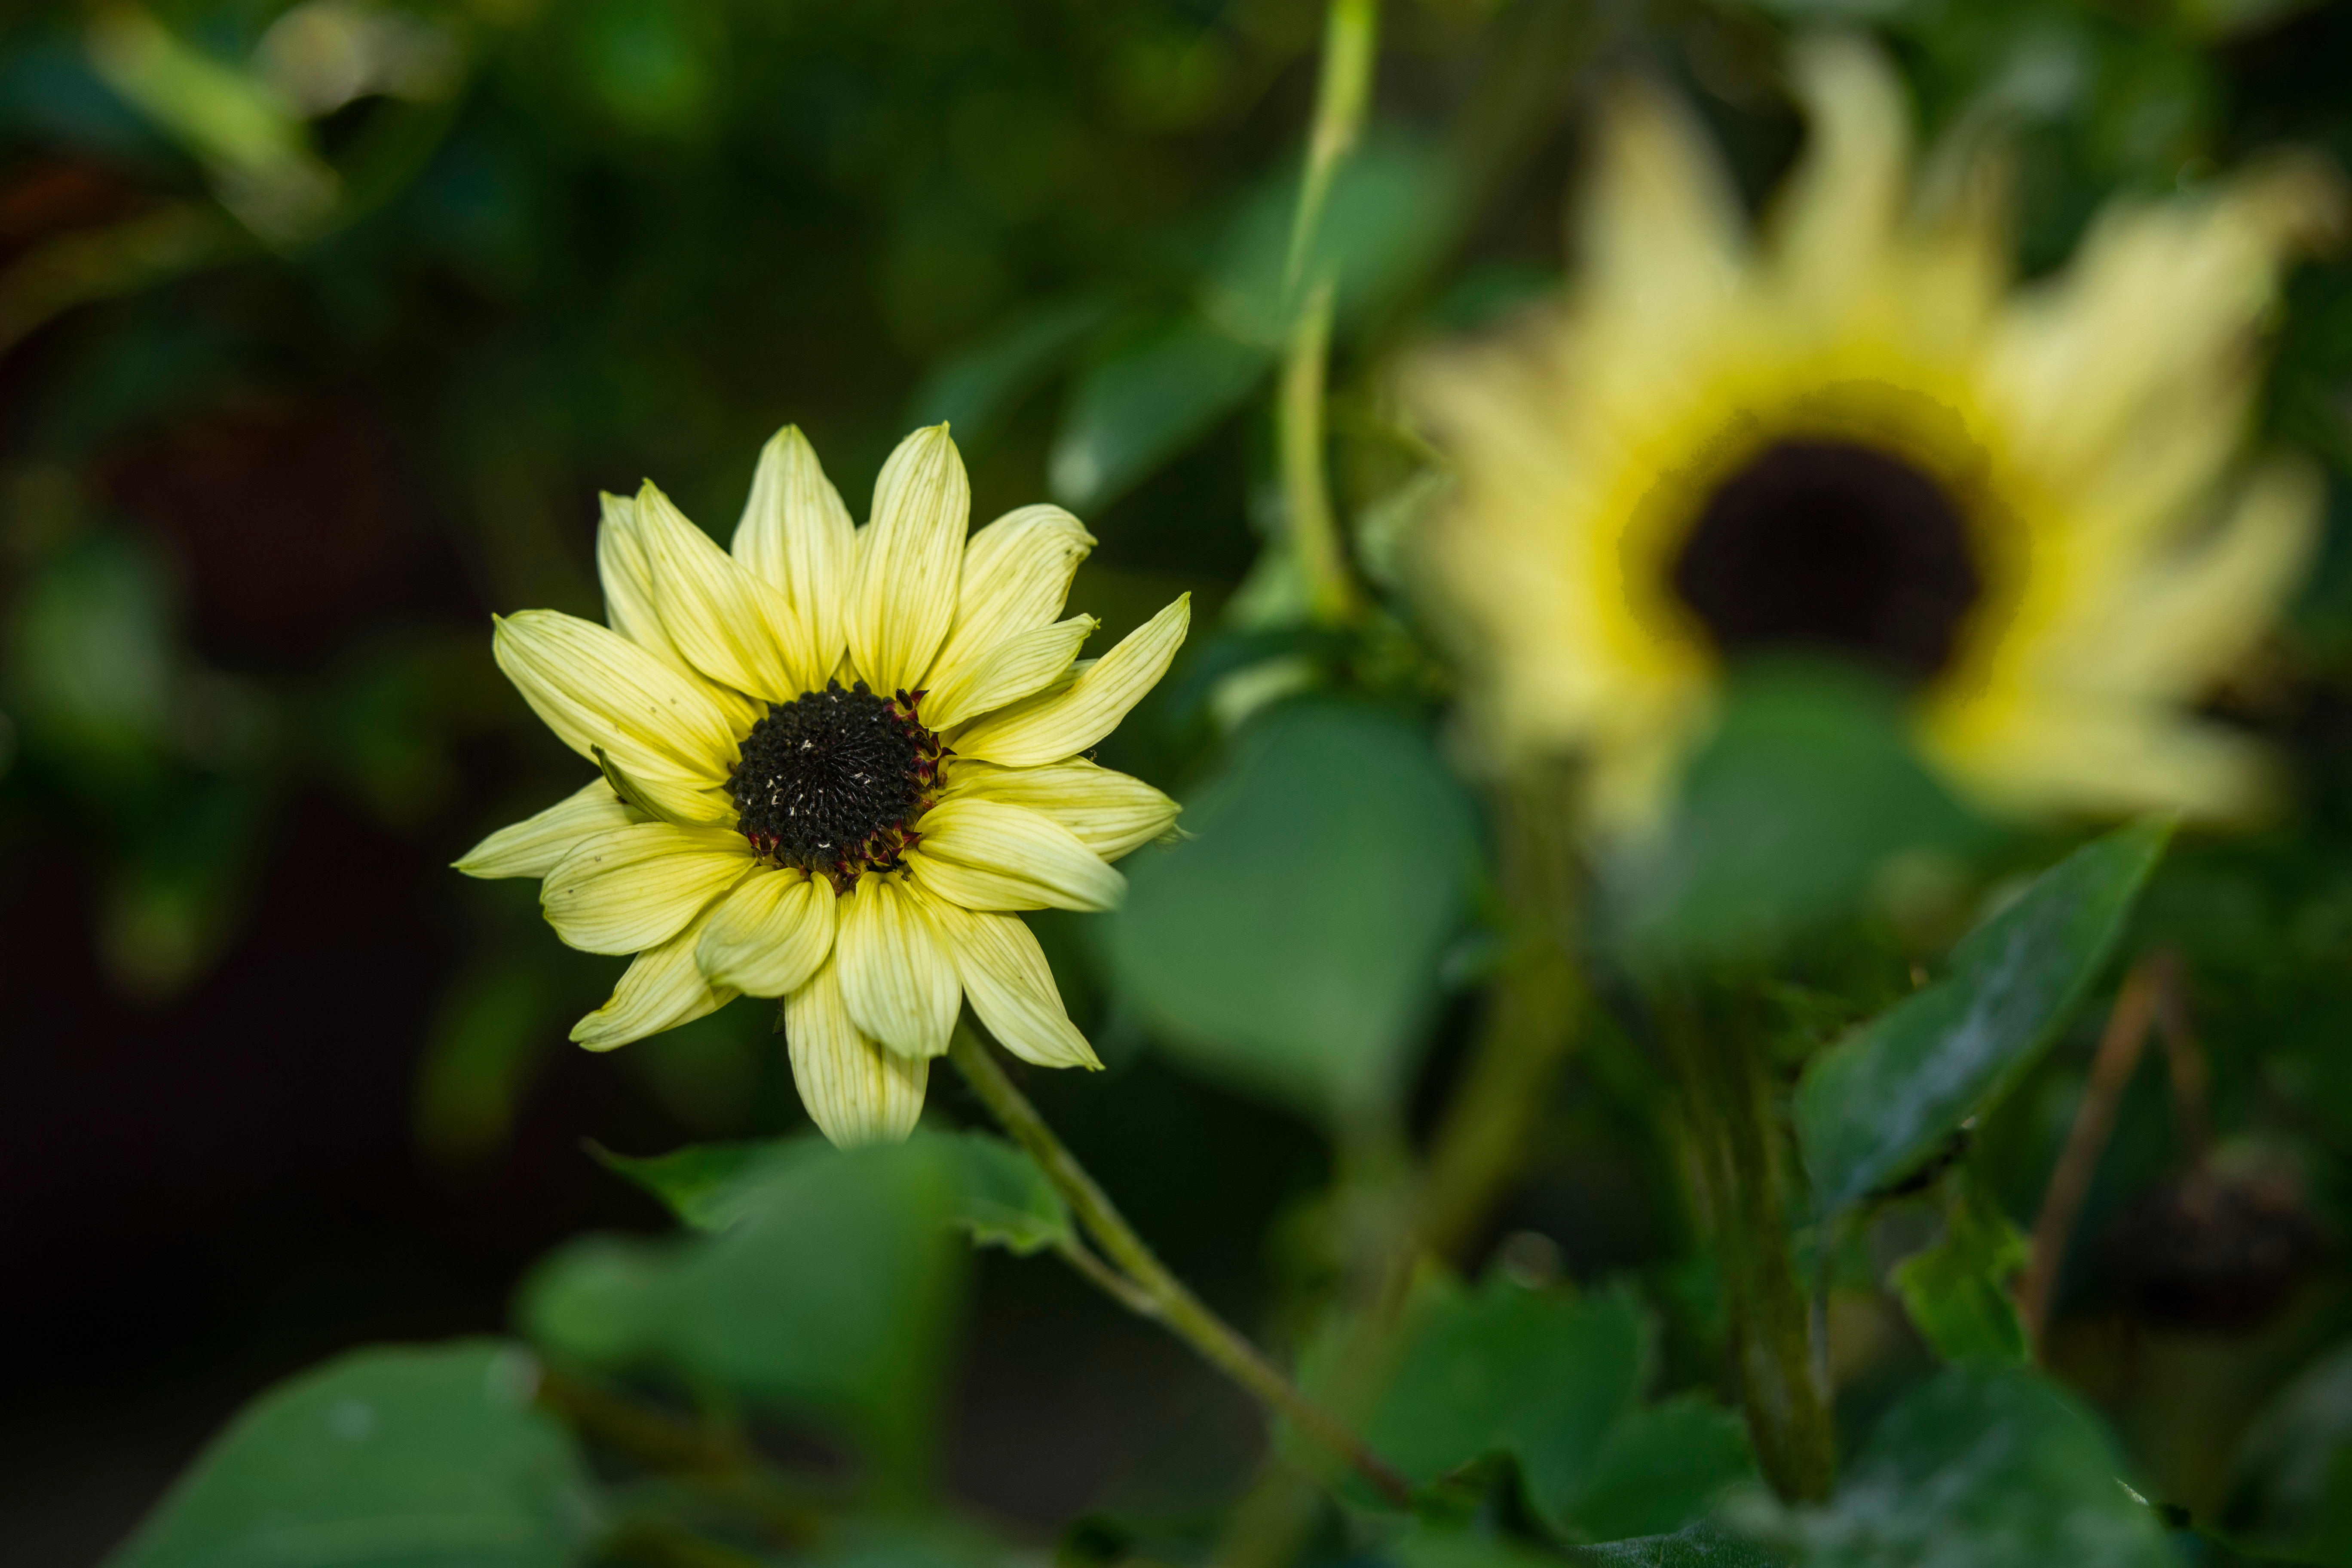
832	763
2025	504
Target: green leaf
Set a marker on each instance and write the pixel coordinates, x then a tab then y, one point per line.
1554	1382
1291	946
413	1458
827	1293
976	391
1659	1470
1807	787
1145	403
1002	1199
1000	1196
1879	1101
1699	1546
1984	1467
705	1185
1956	1292
1380	217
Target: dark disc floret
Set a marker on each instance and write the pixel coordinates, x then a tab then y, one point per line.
1835	547
833	781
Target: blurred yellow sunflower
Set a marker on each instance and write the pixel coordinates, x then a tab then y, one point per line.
832	763
2025	502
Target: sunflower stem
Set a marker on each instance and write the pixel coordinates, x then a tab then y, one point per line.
1351	38
1535	1012
1728	1106
1158	1293
1351	30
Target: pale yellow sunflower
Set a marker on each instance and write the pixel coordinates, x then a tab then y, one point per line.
2029	503
833	762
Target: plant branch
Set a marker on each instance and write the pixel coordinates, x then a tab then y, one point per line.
1114	1284
1536	1008
1350	47
1306	486
1342	92
2136	1009
1170	1302
1728	1102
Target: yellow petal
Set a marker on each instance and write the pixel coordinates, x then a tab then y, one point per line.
856	1092
985	854
662	989
1061	724
769	934
796	536
1011	988
656	806
1845	200
1016	574
594	688
532	847
729	624
2202	612
1660	229
1020	666
629	604
629	888
628	581
2159	301
898	983
1111	812
909	562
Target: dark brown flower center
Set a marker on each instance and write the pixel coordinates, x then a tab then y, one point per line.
1835	547
833	781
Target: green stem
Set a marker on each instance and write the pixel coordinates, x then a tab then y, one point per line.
1351	30
1162	1296
1481	1146
1351	47
1305	488
1536	1008
1728	1102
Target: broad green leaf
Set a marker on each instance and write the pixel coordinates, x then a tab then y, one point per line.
1807	787
430	1457
1000	1196
1659	1470
1002	1199
1956	1292
1873	1105
1554	1382
1699	1546
1290	947
974	392
1504	1369
707	1184
1144	403
1983	1468
1377	230
827	1293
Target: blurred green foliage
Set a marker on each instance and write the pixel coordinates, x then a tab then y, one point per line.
385	1456
327	322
